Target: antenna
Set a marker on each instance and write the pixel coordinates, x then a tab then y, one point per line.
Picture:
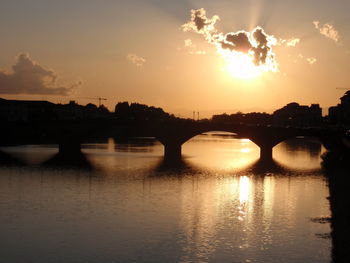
100	99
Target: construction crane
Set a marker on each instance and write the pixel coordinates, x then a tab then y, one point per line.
100	99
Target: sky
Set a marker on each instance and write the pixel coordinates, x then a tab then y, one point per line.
153	52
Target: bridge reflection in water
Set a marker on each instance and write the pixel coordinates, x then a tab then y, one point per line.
208	150
226	212
173	135
234	153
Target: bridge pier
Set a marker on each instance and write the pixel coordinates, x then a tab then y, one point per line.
266	153
69	147
172	152
69	155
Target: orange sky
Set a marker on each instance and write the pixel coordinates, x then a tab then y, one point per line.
137	51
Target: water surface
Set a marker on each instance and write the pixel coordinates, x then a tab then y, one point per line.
219	205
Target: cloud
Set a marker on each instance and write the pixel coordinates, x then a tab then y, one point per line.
201	24
328	30
135	59
292	42
238	41
311	60
263	46
256	44
28	77
192	48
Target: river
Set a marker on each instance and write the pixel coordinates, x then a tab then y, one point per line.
219	205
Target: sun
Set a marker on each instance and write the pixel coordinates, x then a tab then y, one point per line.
241	66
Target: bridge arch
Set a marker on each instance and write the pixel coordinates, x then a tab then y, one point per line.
173	144
265	145
265	137
222	150
303	137
300	152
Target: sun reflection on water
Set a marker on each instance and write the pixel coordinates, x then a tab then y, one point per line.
111	145
199	215
244	188
227	154
248	206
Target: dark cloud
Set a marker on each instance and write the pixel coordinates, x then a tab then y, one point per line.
260	36
201	24
261	51
237	41
257	44
200	20
28	77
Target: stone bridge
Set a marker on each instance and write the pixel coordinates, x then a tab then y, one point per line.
172	134
265	137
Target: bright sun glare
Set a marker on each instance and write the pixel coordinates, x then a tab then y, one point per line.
240	65
248	54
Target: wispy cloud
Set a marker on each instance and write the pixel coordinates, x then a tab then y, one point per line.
328	30
28	77
135	59
311	60
292	42
192	48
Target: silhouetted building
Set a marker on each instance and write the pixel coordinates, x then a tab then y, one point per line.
74	111
136	111
297	115
23	110
340	114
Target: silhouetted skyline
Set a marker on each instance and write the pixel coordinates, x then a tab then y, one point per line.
292	114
